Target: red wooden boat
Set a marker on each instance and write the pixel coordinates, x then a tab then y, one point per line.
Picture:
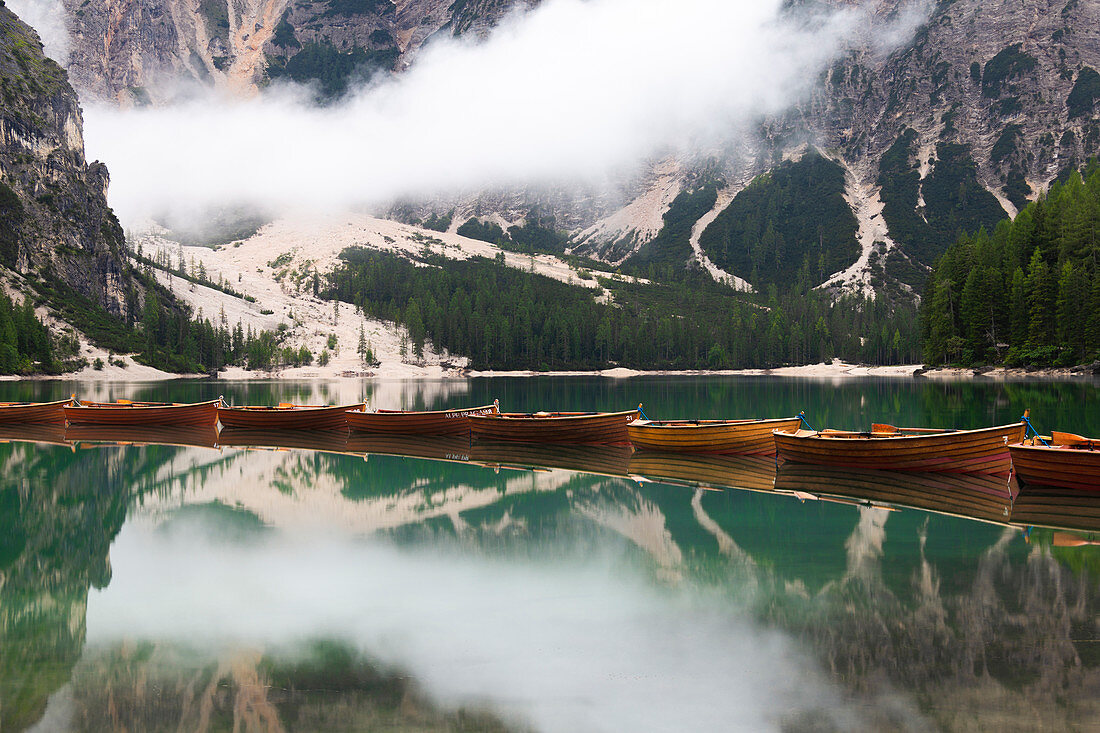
746	437
285	416
34	412
903	449
555	427
125	412
411	422
1069	461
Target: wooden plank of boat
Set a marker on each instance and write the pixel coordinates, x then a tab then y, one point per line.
286	417
984	450
598	459
329	441
201	436
986	497
416	422
756	473
1069	463
555	427
34	412
125	412
747	437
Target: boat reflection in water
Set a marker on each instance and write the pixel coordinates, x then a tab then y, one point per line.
1044	506
45	433
196	436
432	447
755	473
329	441
975	496
598	460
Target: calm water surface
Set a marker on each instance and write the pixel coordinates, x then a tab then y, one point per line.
378	584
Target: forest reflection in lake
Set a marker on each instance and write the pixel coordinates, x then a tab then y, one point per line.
301	583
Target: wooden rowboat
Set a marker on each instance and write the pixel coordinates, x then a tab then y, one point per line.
746	437
285	416
125	412
1056	507
909	449
555	427
1069	461
411	422
34	412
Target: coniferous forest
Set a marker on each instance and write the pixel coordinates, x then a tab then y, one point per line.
507	318
1027	293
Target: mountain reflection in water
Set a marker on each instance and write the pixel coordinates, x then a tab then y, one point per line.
319	585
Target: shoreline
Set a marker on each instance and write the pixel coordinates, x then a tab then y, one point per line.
399	371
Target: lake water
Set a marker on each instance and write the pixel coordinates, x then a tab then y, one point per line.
433	585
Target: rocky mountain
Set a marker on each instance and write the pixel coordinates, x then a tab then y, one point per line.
899	147
56	229
137	51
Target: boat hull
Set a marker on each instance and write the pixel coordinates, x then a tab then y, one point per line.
600	428
199	413
1057	466
33	412
285	418
963	451
428	422
329	441
745	437
200	436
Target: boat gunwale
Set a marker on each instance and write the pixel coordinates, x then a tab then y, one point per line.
702	424
356	411
841	436
522	416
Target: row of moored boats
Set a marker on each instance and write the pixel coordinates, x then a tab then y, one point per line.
1061	459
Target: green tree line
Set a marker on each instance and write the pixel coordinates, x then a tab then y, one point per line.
1027	293
506	318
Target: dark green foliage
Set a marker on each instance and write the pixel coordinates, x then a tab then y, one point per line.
670	250
438	223
333	70
1082	98
25	344
358	7
11	219
506	318
788	226
1006	66
975	72
284	33
954	201
539	233
216	15
1006	143
484	231
1029	293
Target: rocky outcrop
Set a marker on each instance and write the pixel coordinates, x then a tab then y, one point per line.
55	225
141	51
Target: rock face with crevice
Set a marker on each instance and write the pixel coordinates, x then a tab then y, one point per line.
977	111
147	51
55	225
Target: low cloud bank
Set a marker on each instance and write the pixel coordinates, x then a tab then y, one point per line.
573	91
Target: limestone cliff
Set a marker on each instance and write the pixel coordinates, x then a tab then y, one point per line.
138	51
55	225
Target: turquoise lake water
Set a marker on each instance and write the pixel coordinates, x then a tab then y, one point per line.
386	584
